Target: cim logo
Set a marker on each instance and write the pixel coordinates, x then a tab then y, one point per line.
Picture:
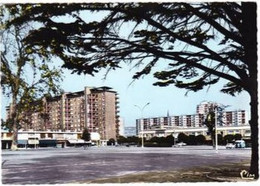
245	175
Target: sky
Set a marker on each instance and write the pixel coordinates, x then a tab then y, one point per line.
140	92
162	99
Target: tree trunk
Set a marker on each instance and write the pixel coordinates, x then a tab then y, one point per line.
15	137
213	140
249	34
13	114
254	137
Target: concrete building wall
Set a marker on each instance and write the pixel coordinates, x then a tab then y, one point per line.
102	112
121	127
110	115
76	119
54	111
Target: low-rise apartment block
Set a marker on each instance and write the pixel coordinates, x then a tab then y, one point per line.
232	122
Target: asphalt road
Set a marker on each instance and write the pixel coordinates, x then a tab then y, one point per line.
73	165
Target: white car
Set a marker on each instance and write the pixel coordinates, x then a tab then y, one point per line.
230	146
180	144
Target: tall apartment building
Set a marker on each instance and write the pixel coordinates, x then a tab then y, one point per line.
93	108
205	107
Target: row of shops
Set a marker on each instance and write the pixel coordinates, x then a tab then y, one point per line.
36	143
36	139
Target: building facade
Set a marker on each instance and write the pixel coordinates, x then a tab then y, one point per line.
121	127
93	108
231	122
205	106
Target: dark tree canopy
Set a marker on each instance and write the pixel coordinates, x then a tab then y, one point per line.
200	139
86	135
202	42
183	138
210	123
196	44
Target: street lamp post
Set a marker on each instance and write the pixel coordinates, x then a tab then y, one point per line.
142	126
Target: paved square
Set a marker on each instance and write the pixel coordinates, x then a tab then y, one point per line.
72	165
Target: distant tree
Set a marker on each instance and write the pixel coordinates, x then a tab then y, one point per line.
26	77
162	140
121	140
220	139
86	135
111	141
200	139
183	138
228	138
158	140
170	139
6	125
237	136
192	140
210	123
154	139
201	43
44	115
133	139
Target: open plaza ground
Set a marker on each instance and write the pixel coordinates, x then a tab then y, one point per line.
118	164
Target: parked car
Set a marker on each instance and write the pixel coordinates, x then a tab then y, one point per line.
240	144
180	144
230	146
